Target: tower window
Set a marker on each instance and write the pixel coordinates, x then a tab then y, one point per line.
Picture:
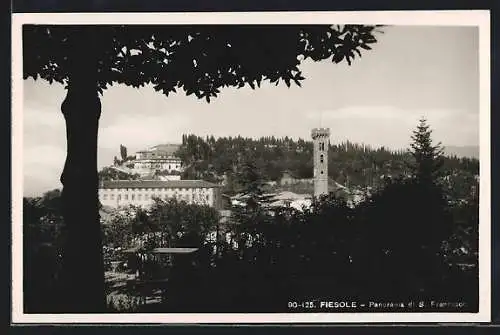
321	158
321	172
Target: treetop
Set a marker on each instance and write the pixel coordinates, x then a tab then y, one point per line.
199	59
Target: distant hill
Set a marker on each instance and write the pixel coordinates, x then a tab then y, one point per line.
471	151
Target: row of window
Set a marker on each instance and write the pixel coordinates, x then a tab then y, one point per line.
158	162
148	165
197	190
139	197
156	156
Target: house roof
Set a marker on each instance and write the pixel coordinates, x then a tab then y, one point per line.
174	250
169	148
297	204
164	250
335	186
114	184
164	157
287	195
288	174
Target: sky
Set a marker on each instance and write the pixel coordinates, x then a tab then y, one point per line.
412	72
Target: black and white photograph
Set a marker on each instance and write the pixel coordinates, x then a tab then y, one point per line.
286	167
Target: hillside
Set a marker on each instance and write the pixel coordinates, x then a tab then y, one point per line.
349	163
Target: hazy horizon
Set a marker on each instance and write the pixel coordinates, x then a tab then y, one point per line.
412	72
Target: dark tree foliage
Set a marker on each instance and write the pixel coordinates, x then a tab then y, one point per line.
110	173
428	158
199	60
43	237
123	152
407	224
168	223
160	173
388	248
183	224
250	216
251	182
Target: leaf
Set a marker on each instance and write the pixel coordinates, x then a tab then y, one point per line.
337	58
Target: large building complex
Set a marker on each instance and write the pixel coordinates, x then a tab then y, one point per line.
158	158
121	193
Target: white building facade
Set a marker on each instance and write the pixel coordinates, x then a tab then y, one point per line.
158	158
145	166
122	193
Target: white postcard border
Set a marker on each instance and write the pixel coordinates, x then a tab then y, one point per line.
479	18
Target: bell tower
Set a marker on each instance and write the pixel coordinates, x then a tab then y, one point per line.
321	142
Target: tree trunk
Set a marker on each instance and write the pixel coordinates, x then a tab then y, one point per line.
83	269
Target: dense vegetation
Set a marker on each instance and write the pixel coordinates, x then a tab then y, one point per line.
112	173
405	241
42	246
351	164
398	244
